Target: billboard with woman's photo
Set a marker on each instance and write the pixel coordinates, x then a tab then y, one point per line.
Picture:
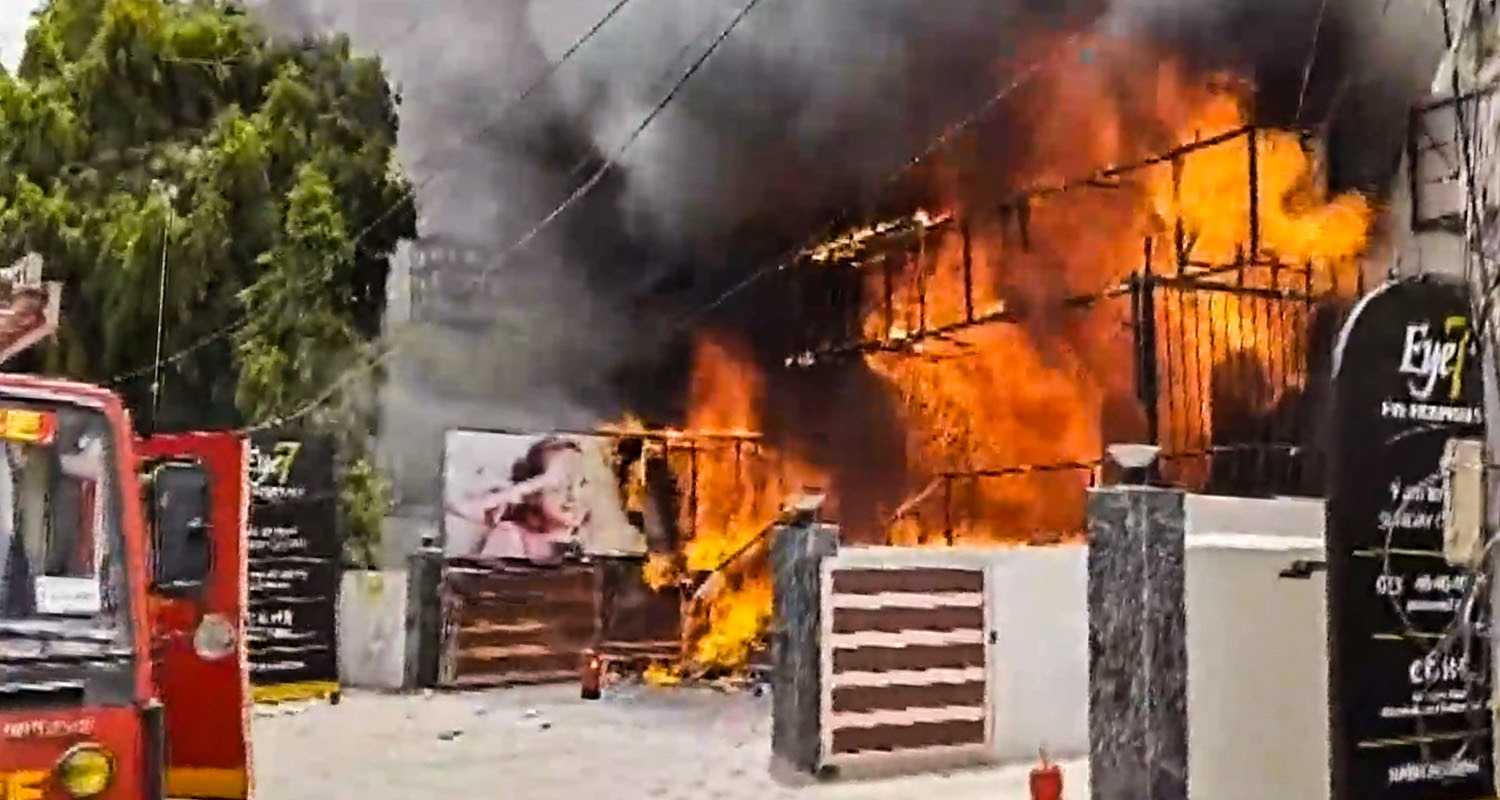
538	498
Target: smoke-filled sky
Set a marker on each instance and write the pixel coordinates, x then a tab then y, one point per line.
795	120
799	113
830	89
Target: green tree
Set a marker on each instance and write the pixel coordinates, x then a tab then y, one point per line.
143	137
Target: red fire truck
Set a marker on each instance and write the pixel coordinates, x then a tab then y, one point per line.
122	597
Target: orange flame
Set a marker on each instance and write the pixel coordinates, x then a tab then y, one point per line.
735	488
1054	383
1054	387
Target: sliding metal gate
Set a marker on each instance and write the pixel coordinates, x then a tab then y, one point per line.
906	649
515	624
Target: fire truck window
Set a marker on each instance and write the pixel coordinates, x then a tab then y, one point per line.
56	529
13	577
179	513
77	516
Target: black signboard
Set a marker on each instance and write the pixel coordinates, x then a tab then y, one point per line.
1409	663
294	557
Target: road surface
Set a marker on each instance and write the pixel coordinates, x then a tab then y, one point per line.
544	743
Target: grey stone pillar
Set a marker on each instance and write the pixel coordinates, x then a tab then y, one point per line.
797	553
424	617
1137	645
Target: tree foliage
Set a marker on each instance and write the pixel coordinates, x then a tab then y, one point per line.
146	136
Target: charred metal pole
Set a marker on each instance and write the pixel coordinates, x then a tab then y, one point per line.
1253	137
693	483
948	509
1143	305
1165	376
968	272
1179	233
921	257
890	297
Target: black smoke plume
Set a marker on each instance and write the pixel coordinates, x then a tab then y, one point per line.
795	123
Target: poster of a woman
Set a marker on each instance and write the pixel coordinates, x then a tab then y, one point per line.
537	499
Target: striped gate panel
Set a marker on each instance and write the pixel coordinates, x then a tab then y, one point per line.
906	657
637	625
508	625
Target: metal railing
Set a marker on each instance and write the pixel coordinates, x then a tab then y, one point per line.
1228	357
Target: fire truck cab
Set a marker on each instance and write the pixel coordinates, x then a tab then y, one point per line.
122	596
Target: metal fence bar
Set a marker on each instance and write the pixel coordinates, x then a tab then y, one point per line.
1179	231
1182	425
948	509
921	281
1165	323
890	298
1245	374
1228	344
968	272
878	246
1147	380
1252	139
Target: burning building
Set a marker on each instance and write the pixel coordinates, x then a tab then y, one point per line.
1045	227
1158	267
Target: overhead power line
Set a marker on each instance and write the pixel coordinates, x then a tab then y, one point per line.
666	100
610	163
938	143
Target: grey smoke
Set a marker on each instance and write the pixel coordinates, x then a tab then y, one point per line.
1364	62
798	117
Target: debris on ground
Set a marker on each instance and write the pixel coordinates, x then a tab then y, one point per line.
627	737
280	709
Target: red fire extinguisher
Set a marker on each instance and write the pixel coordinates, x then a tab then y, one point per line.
589	675
1046	780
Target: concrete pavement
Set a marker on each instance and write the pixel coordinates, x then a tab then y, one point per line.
544	743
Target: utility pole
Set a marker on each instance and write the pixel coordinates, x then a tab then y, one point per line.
170	194
1469	72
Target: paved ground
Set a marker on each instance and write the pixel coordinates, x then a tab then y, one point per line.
545	743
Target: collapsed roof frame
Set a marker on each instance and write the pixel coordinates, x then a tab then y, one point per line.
1276	296
863	248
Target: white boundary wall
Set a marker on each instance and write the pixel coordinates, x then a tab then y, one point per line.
1257	650
372	629
1038	612
1039	602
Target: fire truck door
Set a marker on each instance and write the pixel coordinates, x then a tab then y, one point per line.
198	602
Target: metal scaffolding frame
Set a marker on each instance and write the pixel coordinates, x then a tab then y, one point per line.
1174	309
823	297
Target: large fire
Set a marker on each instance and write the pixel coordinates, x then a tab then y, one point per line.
1053	383
735	487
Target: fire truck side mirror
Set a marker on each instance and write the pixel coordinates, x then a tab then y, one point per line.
179	511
